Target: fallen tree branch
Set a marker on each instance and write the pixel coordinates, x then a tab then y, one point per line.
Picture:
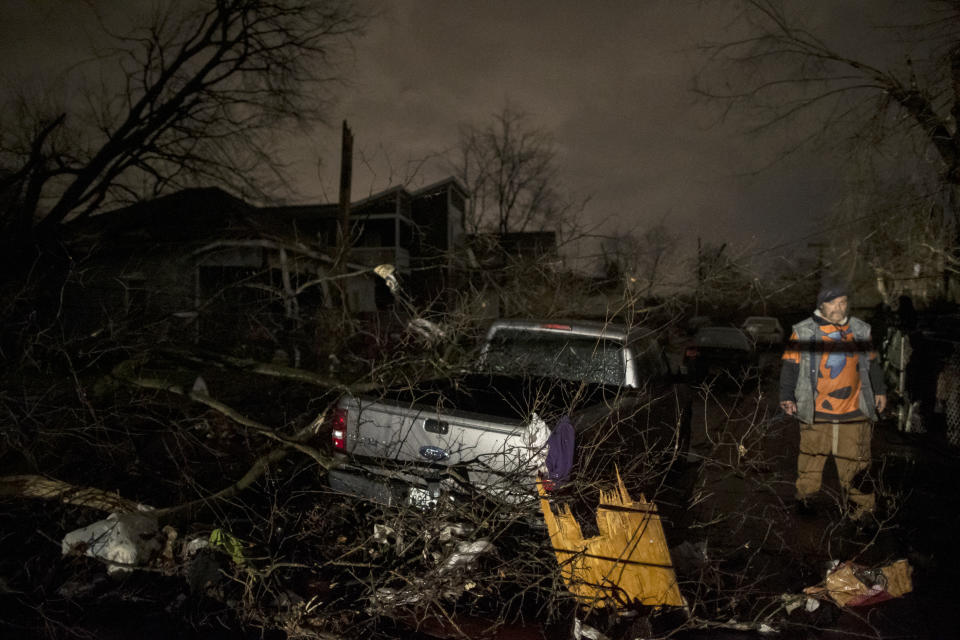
34	486
40	487
269	369
296	442
258	468
43	488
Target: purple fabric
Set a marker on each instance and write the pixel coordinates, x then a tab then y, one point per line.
560	451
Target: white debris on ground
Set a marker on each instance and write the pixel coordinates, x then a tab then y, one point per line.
466	554
793	601
583	631
194	545
458	529
385	535
449	578
123	541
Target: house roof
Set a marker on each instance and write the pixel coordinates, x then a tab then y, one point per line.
178	215
446	182
205	213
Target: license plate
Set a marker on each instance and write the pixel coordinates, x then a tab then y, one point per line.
421	498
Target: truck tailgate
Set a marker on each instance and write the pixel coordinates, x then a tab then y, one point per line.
493	455
382	428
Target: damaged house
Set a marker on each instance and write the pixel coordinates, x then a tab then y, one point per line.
202	265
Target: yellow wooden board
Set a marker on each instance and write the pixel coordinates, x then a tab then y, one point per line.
628	561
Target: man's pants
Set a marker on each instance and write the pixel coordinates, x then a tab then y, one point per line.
849	443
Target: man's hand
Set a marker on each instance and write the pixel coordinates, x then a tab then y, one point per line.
790	407
880	402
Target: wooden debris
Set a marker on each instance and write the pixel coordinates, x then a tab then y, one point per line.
629	560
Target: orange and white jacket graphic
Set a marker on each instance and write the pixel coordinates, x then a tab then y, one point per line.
834	359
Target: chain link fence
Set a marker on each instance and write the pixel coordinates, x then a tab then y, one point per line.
948	395
923	379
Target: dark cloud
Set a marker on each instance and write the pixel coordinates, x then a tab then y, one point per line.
610	80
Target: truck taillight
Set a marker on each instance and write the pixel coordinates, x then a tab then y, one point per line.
338	429
692	352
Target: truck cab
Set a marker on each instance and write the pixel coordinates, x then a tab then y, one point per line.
595	352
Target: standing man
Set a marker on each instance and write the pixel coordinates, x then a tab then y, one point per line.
832	382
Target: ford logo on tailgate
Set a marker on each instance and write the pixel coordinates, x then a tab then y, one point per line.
433	453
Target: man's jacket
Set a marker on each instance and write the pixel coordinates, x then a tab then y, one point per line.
831	371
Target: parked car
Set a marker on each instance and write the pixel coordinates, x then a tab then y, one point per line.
764	330
721	355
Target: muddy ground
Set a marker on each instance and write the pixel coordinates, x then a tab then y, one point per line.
742	508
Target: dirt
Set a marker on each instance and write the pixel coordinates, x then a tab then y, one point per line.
761	547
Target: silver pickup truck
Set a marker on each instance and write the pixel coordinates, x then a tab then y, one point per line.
485	431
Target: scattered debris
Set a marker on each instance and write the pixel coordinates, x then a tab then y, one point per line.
466	554
124	541
448	578
194	545
386	271
382	533
793	601
852	585
429	331
628	561
390	597
458	529
229	544
583	631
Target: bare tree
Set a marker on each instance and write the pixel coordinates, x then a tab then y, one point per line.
895	102
642	260
780	69
194	93
511	170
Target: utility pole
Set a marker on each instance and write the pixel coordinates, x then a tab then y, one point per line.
344	239
346	180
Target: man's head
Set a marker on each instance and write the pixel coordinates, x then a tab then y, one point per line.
832	302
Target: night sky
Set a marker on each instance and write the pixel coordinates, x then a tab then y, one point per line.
611	81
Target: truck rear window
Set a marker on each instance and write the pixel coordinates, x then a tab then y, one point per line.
557	355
